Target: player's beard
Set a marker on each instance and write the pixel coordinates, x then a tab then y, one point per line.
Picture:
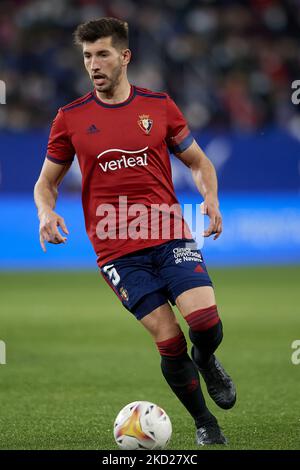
112	82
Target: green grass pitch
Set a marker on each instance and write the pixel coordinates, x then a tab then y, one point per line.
75	357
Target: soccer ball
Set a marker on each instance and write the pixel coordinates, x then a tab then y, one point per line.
142	425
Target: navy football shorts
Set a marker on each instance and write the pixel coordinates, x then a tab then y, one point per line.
145	279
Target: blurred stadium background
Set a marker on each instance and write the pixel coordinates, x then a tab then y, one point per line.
230	66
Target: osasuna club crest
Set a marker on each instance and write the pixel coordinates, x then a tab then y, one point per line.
145	123
124	294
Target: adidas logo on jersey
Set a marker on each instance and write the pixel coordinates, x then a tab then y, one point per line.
128	158
92	129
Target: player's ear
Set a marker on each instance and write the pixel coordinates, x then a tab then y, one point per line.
126	56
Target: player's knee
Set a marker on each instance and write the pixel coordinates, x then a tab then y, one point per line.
205	327
173	347
164	328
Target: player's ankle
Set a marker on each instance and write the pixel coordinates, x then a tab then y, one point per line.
206	418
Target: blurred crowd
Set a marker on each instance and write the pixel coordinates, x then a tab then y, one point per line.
228	64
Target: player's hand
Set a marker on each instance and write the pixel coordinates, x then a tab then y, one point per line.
210	207
49	223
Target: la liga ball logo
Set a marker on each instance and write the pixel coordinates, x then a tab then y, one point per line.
142	425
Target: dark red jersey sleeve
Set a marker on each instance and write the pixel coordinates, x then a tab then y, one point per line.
179	137
60	149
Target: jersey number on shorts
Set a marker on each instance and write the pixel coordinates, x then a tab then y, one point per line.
111	272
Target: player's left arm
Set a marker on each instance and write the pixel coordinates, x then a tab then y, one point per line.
204	175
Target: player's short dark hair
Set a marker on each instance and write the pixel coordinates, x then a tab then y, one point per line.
103	28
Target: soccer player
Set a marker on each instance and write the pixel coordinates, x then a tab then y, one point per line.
121	135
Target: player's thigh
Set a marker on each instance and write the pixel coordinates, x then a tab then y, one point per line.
184	271
161	323
195	299
134	281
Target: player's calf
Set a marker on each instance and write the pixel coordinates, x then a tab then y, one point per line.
182	376
206	334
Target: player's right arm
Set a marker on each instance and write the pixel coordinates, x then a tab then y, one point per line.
60	154
45	196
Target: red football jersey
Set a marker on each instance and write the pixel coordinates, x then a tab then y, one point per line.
123	155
